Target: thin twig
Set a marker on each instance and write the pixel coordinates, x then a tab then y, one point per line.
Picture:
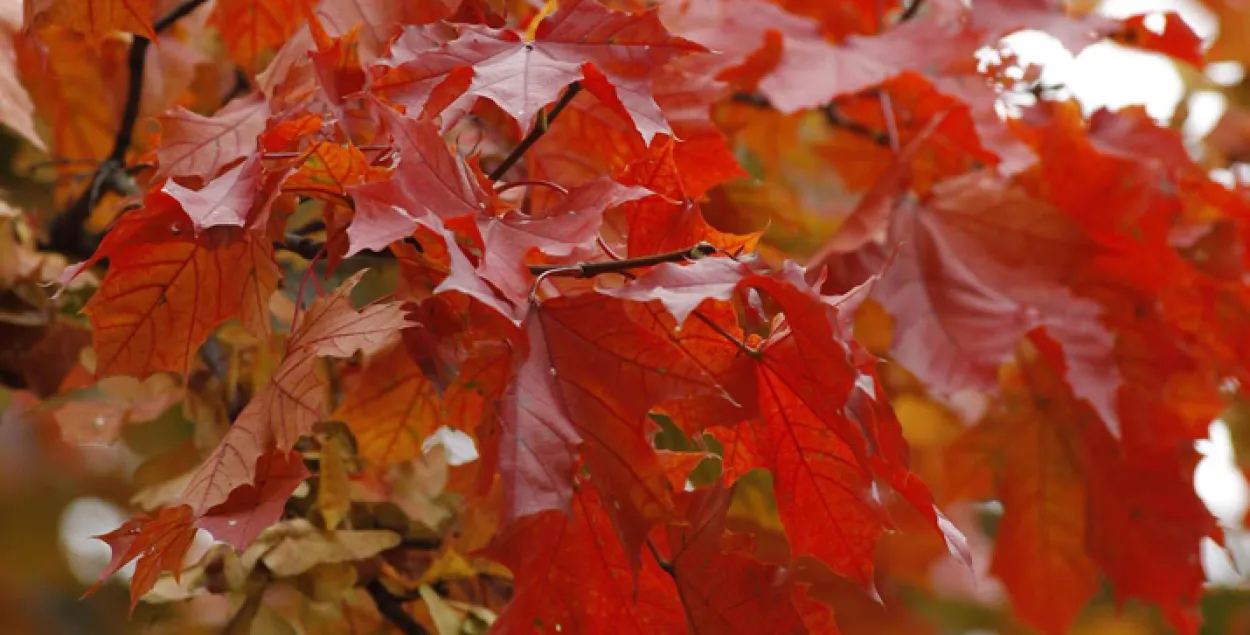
66	232
179	12
665	565
302	246
592	269
726	334
911	11
837	120
536	133
504	187
832	117
311	227
887	113
308	248
752	99
392	608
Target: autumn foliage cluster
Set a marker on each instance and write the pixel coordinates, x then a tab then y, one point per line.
762	316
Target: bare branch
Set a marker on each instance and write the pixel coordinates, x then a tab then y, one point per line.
66	232
392	608
536	133
592	269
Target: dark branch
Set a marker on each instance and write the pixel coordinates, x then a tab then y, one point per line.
134	97
837	120
720	330
66	232
911	11
665	565
832	116
179	12
536	133
392	608
303	246
752	99
592	269
308	248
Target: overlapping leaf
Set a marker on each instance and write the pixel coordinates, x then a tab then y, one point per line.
288	406
167	289
523	77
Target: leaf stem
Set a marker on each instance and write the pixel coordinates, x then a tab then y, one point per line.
726	334
66	232
592	269
661	560
836	119
832	117
179	12
911	11
536	133
504	187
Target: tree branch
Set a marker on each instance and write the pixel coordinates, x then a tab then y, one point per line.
66	232
179	12
838	120
832	116
665	565
592	269
536	133
911	11
392	608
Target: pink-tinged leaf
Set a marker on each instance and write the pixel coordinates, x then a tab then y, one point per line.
570	224
16	108
379	20
294	399
524	77
812	72
429	172
429	180
536	454
332	328
735	29
871	215
681	288
381	216
226	200
463	278
250	509
195	145
416	70
167	289
978	266
995	19
281	412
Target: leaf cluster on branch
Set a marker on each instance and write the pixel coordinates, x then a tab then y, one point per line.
741	305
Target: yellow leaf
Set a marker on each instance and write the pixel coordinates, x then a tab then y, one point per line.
446	620
449	565
926	423
332	496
